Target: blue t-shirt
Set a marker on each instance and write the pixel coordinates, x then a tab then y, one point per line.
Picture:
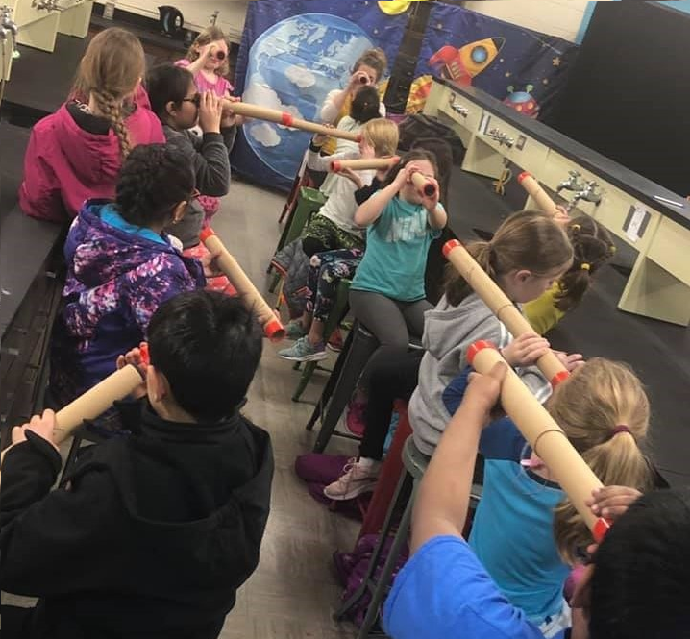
110	216
512	533
395	259
444	593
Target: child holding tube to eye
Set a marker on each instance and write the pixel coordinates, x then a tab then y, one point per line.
604	411
528	253
207	61
180	106
121	265
634	587
593	248
170	518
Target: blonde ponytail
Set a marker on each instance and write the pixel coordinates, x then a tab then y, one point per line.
604	410
112	109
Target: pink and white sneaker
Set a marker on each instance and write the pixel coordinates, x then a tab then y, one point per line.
356	479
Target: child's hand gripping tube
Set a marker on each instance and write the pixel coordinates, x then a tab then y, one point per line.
423	185
248	293
539	195
285	118
546	438
493	296
94	402
374	164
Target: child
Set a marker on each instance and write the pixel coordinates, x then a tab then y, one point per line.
367	72
176	101
528	253
637	586
120	268
76	153
157	530
593	247
334	226
604	411
207	61
387	295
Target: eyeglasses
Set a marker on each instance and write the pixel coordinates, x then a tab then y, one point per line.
196	100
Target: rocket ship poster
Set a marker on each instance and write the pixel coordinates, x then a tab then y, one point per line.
293	53
524	68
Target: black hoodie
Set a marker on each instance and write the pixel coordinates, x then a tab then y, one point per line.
153	537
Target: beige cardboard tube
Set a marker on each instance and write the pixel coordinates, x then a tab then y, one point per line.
246	290
423	185
287	119
492	295
93	402
546	438
539	195
376	164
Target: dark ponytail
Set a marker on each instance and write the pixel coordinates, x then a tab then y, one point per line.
593	247
366	105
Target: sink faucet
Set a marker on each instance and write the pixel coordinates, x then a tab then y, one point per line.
572	183
588	194
7	25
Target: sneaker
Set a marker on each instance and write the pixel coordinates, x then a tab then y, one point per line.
355	418
355	480
336	341
294	330
303	351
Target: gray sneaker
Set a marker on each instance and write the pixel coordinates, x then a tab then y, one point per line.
303	351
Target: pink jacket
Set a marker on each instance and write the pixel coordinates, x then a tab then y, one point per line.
64	165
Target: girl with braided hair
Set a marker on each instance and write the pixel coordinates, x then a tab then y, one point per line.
76	153
593	247
121	266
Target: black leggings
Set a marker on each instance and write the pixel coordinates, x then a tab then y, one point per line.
392	378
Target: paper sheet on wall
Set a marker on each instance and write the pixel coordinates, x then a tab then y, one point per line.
637	222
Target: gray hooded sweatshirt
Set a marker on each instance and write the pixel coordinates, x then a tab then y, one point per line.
448	332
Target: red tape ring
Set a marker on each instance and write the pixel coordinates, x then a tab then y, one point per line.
523	176
477	348
559	377
600	529
288	119
449	246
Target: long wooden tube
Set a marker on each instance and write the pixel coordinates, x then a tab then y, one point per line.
539	195
248	293
423	185
492	295
287	119
546	438
376	164
93	402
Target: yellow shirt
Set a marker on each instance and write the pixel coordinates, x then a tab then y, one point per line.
542	312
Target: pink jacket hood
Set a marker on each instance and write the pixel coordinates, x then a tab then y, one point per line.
65	165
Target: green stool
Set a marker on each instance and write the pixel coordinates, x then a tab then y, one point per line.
339	309
309	202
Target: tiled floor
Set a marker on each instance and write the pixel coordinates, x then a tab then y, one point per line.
293	593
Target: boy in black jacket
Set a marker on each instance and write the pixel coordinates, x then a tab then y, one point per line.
154	532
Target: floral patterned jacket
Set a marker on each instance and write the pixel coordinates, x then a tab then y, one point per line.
115	282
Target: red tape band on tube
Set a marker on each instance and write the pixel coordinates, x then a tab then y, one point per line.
274	330
559	377
335	166
600	529
478	347
144	352
449	246
287	118
523	176
206	233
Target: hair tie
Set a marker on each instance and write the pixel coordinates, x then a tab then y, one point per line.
619	429
585	266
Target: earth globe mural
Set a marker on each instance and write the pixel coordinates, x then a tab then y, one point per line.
292	67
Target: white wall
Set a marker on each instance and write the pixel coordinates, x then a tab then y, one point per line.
197	13
560	18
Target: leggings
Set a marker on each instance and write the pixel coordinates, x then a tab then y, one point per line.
391	379
391	321
325	272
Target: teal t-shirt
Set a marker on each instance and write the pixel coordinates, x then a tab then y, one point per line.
395	259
